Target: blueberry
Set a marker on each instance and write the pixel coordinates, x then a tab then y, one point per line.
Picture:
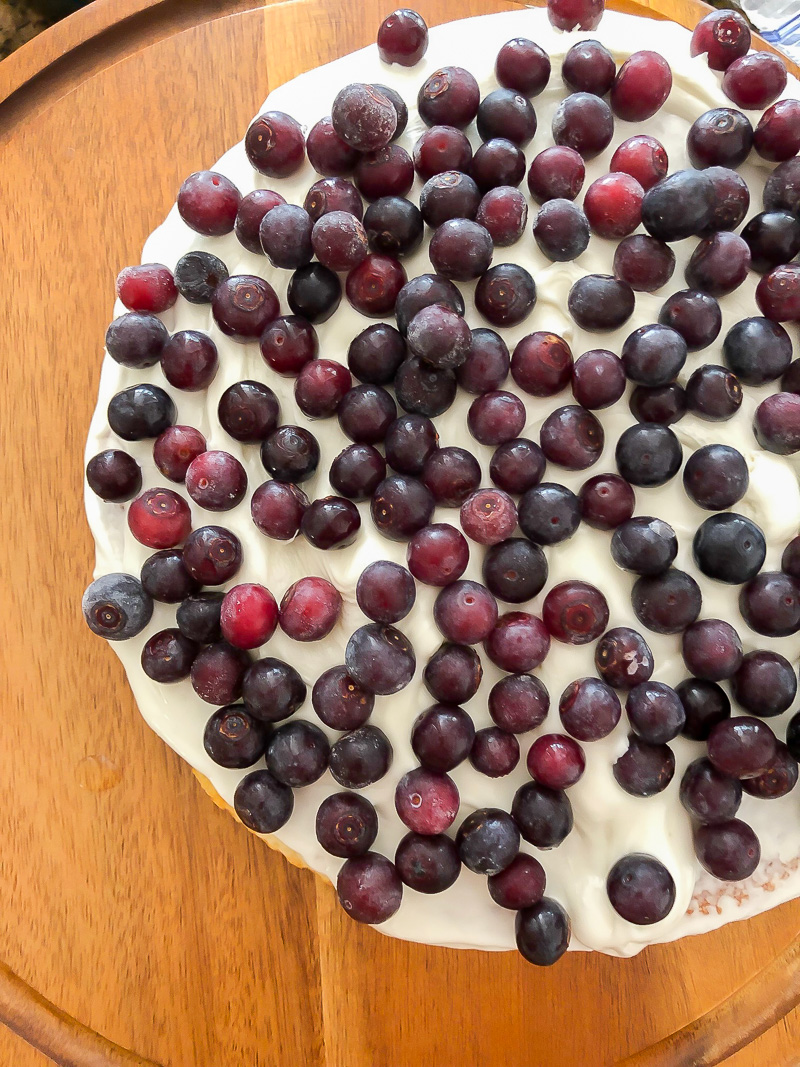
644	769
653	355
757	350
361	757
729	548
678	206
380	658
716	477
136	339
140	412
198	617
655	712
297	753
648	455
641	889
542	932
197	275
544	816
262	802
116	607
705	704
549	513
765	684
667	603
644	545
488	841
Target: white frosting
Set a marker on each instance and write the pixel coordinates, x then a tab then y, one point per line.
608	822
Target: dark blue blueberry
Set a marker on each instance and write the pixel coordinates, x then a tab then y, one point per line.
141	411
729	548
644	545
648	455
117	607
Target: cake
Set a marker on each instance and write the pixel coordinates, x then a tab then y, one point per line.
530	682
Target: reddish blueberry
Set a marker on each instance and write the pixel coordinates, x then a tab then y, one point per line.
722	36
217	673
369	888
208	202
556	173
465	612
339	701
450	96
288	343
517	466
450	475
519	642
598	379
426	801
623	658
644	158
442	737
212	555
243	307
275	144
248	616
488	516
642	85
613	205
556	761
575	14
159	518
520	885
522	65
310	609
519	703
575	612
320	387
149	287
380	659
373	286
437	554
585	123
606	501
251	212
755	81
216	481
403	37
572	437
277	509
494	752
589	709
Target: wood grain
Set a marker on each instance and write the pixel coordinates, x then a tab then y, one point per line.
126	897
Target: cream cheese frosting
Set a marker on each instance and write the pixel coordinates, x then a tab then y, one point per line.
609	823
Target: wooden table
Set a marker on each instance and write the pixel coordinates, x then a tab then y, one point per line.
126	897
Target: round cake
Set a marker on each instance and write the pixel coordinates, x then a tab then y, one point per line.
444	485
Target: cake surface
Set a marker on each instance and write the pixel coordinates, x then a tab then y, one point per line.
609	823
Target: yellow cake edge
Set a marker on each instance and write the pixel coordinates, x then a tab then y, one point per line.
272	840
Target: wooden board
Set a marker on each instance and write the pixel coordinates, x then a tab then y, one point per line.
126	897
